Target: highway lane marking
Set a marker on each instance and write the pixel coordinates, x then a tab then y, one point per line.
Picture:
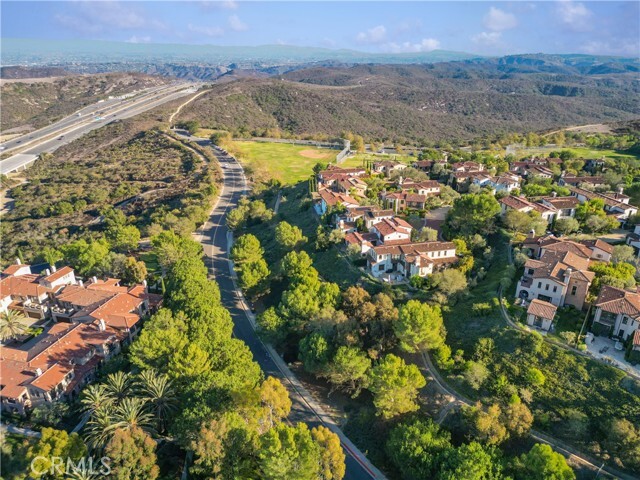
57	131
135	103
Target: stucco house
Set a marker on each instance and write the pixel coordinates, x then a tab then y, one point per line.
557	277
406	260
617	313
540	314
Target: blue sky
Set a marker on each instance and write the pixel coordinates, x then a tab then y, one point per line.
495	28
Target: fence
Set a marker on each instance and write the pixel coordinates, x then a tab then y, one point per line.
344	153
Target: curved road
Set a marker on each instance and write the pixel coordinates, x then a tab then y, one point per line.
215	237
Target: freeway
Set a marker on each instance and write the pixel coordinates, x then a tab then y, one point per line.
100	108
214	237
68	131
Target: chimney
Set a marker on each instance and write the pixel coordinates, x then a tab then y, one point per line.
94	279
620	189
554	194
47	272
80	282
567	274
18	262
532	233
101	325
54	269
38	372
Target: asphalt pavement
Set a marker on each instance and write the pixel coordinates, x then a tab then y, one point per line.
214	237
70	128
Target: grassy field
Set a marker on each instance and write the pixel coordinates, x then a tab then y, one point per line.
581	152
285	162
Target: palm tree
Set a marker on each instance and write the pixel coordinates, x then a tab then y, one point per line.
12	325
117	385
131	413
99	429
158	390
96	397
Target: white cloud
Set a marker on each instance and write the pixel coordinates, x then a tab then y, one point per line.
425	45
487	39
230	5
207	31
236	24
596	47
498	20
136	39
373	35
95	17
574	14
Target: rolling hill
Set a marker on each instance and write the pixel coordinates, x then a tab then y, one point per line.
443	101
38	102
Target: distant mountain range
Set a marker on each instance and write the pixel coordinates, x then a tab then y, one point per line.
38	52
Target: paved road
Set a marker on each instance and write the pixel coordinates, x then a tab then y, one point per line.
78	116
214	237
70	129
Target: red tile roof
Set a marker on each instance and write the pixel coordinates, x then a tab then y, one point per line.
617	300
13	269
52	377
58	274
542	309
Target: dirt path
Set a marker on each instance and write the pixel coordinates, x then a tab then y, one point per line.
183	104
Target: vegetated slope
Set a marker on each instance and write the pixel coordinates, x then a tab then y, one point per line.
14	72
37	104
127	164
457	100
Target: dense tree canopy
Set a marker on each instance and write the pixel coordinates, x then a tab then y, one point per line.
395	386
419	326
471	214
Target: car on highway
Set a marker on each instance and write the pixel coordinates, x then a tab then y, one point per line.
60	137
2	148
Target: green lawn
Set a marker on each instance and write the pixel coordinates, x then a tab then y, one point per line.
285	162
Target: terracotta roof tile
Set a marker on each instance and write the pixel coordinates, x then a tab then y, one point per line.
542	309
616	300
58	274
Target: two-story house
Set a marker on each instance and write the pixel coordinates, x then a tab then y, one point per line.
387	167
406	260
392	230
557	277
617	313
615	204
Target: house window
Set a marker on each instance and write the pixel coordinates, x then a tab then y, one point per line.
380	267
555	289
599	256
546	287
539	284
530	271
574	289
625	320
